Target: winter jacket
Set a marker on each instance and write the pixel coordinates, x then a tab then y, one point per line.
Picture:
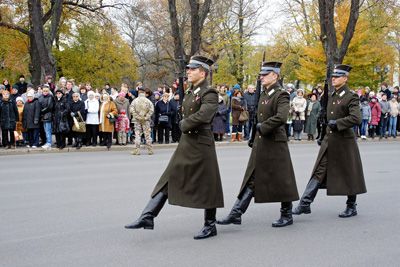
385	107
22	87
163	108
92	114
107	108
123	105
176	117
375	113
31	114
394	108
60	116
78	106
238	104
250	100
8	114
122	124
46	107
365	112
227	100
299	104
219	125
19	125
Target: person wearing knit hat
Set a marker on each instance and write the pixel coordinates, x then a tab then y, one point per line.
8	116
2	89
60	126
122	126
22	85
31	118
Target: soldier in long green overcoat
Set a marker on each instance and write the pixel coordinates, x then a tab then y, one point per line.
269	176
192	177
338	166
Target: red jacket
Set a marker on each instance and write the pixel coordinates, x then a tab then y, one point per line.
375	113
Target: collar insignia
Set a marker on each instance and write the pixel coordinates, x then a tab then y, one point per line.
271	92
342	93
196	91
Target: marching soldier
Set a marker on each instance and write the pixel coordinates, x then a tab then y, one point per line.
192	178
338	166
269	176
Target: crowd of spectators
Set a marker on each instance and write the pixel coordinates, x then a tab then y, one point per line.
38	113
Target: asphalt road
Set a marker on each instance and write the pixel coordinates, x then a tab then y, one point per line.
69	209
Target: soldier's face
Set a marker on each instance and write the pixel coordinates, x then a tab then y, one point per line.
338	82
269	79
195	75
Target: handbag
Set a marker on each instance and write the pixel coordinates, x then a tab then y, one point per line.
114	119
18	136
163	119
79	126
244	115
297	125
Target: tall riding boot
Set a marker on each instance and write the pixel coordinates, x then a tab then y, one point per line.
307	198
209	228
109	139
233	138
150	211
238	209
351	207
215	137
239	137
286	215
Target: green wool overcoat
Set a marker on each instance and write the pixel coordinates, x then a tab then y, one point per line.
193	174
345	174
270	158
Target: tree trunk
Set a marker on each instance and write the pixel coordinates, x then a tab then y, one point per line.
35	68
239	78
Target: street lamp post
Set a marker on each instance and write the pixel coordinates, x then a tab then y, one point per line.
379	72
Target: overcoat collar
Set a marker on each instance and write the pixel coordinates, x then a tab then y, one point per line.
342	91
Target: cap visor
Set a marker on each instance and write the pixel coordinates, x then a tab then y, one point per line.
193	66
264	72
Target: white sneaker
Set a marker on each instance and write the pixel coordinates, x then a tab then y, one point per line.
46	146
363	137
28	146
34	146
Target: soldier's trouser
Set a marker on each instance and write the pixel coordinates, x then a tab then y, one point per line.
321	169
143	128
122	137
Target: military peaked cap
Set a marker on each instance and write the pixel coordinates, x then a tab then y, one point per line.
200	61
270	66
341	70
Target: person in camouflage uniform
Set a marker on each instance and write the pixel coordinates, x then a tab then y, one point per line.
141	110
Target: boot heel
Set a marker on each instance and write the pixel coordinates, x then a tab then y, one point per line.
148	227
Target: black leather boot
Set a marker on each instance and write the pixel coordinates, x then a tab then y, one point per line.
350	209
307	198
79	145
286	215
209	229
150	211
238	209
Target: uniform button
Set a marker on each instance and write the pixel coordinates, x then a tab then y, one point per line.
184	99
330	131
193	101
332	112
190	132
196	131
259	136
334	103
183	115
260	114
191	109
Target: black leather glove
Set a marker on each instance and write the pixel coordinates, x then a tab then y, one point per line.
180	124
217	113
108	116
258	127
250	143
298	113
168	113
319	141
72	114
332	124
35	122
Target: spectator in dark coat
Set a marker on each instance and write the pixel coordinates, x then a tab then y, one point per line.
250	97
22	85
8	116
46	101
77	107
7	85
386	90
175	131
30	119
60	118
164	108
14	93
83	93
219	125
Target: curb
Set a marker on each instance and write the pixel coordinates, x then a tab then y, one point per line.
23	151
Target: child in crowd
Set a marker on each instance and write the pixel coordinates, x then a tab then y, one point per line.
122	127
366	116
375	116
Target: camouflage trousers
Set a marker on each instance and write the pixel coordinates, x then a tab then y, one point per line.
143	128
